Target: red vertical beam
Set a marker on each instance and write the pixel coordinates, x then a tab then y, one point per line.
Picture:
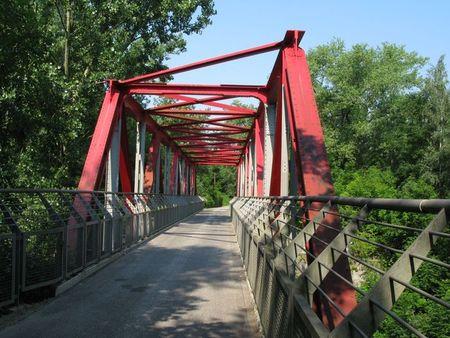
193	181
259	151
124	159
308	133
238	179
183	181
173	172
275	181
251	168
313	172
161	176
150	167
194	168
246	171
95	159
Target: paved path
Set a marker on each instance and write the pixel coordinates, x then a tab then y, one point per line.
187	282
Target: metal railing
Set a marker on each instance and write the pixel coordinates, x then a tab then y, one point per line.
304	255
47	236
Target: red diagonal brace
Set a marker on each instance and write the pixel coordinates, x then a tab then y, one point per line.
208	62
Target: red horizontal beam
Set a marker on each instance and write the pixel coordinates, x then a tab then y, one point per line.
230	126
201	132
215	121
207	138
227	158
214	164
258	92
191	100
223	150
239	151
187	101
218	160
202	112
208	62
194	120
208	129
209	149
220	155
224	127
196	145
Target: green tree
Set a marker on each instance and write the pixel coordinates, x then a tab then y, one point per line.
377	110
217	184
436	165
387	135
54	56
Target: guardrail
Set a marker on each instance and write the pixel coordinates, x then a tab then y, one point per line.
327	266
47	236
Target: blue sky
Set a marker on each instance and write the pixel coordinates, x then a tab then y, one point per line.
420	25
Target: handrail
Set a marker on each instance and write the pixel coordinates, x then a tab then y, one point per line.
412	205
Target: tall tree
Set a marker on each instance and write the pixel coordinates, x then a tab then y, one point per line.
437	159
54	55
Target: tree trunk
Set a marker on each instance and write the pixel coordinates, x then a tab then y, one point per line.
66	44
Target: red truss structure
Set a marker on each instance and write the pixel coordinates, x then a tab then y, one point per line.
278	148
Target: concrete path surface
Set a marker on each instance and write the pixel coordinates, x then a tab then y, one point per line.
187	282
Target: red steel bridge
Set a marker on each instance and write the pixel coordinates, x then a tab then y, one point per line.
303	249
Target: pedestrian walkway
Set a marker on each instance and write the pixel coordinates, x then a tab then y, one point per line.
187	282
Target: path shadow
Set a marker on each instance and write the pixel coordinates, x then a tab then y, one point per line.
151	291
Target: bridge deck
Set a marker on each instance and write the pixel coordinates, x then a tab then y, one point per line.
188	282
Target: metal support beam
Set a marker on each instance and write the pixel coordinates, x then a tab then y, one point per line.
208	62
107	119
112	162
269	142
166	176
140	157
152	168
124	166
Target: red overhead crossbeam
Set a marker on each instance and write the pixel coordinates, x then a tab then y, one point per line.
187	101
190	100
194	121
202	112
199	132
258	92
225	164
229	126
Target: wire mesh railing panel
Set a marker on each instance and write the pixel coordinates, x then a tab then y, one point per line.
42	258
75	253
47	236
279	320
351	266
93	235
7	268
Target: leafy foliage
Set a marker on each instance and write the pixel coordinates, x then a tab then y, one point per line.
387	129
54	56
216	184
386	126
